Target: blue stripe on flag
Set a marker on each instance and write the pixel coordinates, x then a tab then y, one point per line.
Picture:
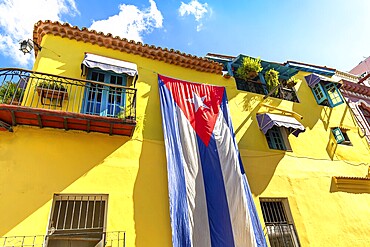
218	210
181	236
258	231
225	111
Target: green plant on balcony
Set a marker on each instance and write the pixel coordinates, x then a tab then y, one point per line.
125	114
52	91
292	81
51	86
226	75
10	92
122	113
272	79
249	68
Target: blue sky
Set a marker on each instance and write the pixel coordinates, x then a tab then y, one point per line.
326	32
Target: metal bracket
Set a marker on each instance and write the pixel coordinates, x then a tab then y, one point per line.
6	126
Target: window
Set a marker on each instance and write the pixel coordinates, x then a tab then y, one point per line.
104	99
279	223
366	113
327	93
77	219
341	136
277	138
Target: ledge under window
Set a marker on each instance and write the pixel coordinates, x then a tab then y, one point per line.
351	184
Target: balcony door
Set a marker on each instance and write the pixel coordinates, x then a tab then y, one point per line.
104	99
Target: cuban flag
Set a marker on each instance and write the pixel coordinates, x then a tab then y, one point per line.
210	200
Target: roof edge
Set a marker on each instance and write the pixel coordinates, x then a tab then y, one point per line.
171	56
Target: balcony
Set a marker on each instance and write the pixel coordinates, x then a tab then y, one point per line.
105	239
281	235
250	86
255	86
46	100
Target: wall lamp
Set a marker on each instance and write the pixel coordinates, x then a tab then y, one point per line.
27	46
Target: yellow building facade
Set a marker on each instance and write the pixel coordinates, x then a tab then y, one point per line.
120	180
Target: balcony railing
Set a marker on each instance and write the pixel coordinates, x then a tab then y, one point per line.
50	93
281	235
47	91
260	88
109	239
250	86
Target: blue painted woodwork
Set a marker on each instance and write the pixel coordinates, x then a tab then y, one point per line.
101	99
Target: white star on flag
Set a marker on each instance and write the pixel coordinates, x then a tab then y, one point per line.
197	101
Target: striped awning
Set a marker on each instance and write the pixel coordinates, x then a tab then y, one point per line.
313	79
109	64
267	120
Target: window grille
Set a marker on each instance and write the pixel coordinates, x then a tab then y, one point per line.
78	212
280	229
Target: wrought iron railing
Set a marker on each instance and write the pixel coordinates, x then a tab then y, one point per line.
250	86
107	239
260	88
287	94
41	90
281	235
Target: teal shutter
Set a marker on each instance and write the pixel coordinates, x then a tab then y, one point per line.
338	135
275	139
319	93
334	96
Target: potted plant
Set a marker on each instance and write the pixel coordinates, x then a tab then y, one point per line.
125	115
226	75
272	79
249	68
291	82
10	93
51	90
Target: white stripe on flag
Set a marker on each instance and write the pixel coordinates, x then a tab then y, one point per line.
198	215
237	201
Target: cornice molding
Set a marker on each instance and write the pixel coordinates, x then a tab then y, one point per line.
170	56
352	184
356	88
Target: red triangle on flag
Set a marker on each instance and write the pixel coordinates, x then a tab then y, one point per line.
200	103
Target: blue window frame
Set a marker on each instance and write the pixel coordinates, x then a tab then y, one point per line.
275	139
341	136
102	99
327	94
338	135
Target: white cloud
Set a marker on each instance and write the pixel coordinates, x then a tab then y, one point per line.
131	22
18	17
195	8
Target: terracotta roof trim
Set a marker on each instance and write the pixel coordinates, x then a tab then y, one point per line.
170	56
356	88
352	178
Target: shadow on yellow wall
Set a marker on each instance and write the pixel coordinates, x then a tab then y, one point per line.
40	162
151	206
260	168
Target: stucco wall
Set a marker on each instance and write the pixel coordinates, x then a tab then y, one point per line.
36	163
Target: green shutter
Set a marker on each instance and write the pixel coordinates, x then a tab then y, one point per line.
338	135
333	95
319	93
